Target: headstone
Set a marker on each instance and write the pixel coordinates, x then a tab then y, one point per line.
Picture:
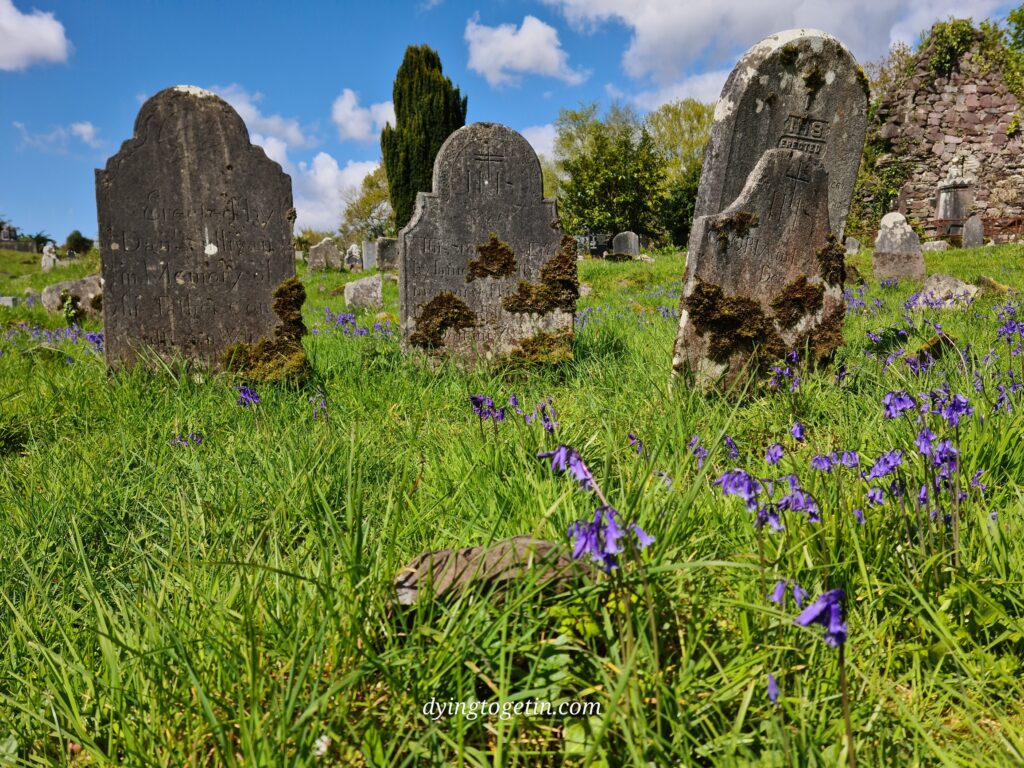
974	232
71	254
86	294
354	258
800	89
626	244
49	261
369	254
935	246
897	250
50	249
9	301
852	246
764	275
387	254
365	293
5	233
485	268
953	200
600	244
196	231
325	255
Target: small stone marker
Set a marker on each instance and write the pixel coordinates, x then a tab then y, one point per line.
897	250
626	244
387	254
935	246
852	246
485	269
9	302
49	261
354	258
325	255
369	254
763	275
974	232
85	295
195	225
300	257
5	233
367	292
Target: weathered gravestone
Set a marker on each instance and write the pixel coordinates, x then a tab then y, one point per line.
897	250
974	232
935	246
800	89
364	293
485	269
84	296
369	254
387	254
852	246
49	261
195	226
765	266
626	244
325	255
354	258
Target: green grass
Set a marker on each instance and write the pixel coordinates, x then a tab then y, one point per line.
21	271
231	603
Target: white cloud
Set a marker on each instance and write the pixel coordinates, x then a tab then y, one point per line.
706	87
58	141
29	38
541	138
287	129
86	131
320	187
499	52
670	39
360	123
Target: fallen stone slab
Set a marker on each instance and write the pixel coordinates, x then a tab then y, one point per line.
86	295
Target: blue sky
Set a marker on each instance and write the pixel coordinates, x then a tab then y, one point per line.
313	80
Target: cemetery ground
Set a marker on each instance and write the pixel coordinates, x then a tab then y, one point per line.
189	576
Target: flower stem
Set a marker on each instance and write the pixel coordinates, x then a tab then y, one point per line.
846	707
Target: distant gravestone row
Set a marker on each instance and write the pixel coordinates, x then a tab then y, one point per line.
484	268
195	229
765	268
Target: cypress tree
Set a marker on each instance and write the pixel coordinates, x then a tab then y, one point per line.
428	108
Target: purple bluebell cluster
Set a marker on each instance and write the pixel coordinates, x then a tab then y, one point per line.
344	323
827	611
319	402
247	396
484	408
183	441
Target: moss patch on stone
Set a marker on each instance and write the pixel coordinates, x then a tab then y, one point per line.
444	312
496	259
813	81
789	54
832	262
824	338
543	348
736	224
731	323
798	300
281	358
558	287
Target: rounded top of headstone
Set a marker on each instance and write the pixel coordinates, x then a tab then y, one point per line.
893	219
502	157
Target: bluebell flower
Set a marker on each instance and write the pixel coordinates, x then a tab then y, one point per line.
821	463
896	403
924	441
859	514
799	595
797	431
247	396
875	496
566	459
779	593
635	442
827	611
774	453
734	452
736	482
885	465
773	689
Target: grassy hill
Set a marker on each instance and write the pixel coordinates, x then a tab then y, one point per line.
187	580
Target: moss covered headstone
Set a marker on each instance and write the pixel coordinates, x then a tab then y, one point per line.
195	226
484	268
765	269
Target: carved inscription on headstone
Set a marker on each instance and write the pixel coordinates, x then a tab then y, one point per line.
484	268
800	89
195	225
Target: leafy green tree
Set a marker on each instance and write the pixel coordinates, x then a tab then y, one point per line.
428	108
368	213
40	239
78	243
613	172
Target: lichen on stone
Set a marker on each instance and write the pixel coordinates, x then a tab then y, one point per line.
281	358
813	80
496	260
731	324
736	224
444	312
832	262
558	287
788	54
797	300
